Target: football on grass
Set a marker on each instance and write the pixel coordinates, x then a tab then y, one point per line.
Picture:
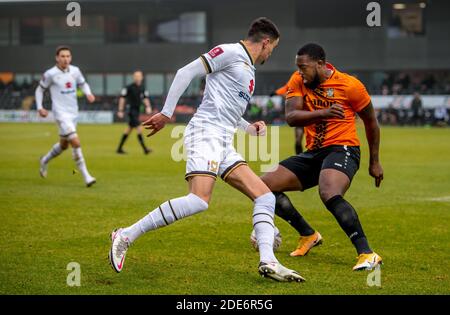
276	243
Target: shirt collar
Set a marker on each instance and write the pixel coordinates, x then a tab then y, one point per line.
62	70
246	50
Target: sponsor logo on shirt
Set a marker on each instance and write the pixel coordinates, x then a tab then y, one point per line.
68	91
245	96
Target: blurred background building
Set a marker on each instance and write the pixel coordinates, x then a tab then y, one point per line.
409	53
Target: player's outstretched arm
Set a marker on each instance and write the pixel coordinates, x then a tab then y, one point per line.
81	82
87	91
39	96
297	117
369	118
182	79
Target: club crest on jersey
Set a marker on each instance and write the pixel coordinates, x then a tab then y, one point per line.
330	92
213	166
215	52
251	87
68	85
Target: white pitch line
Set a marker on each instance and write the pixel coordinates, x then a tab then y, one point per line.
439	199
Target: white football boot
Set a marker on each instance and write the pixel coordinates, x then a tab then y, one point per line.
42	167
278	272
90	181
118	251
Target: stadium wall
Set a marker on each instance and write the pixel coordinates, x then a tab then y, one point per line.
349	42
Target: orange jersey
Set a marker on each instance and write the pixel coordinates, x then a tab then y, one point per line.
284	89
340	88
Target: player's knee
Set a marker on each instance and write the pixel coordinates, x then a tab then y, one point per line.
326	194
74	141
197	203
63	144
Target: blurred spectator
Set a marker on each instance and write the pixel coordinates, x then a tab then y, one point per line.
403	82
391	115
417	110
428	84
441	116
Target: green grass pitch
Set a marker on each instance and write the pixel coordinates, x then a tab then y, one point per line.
46	224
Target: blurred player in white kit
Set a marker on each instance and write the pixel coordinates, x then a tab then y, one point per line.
62	81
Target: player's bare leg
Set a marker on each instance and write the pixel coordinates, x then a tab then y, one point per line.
124	138
78	157
139	130
56	150
298	140
200	190
279	180
245	180
332	186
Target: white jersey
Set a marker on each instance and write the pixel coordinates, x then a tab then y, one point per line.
229	86
63	90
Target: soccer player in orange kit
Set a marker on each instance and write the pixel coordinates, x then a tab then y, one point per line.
325	101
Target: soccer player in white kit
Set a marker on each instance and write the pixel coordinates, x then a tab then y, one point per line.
230	82
62	80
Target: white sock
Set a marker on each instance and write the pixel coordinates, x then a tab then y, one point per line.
81	164
263	214
167	213
54	152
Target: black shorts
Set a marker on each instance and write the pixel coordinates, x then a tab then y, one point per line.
307	165
133	119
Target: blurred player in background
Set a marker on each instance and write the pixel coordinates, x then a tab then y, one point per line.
62	80
134	95
282	91
208	139
325	101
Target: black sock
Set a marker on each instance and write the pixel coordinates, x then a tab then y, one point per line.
285	210
349	222
298	148
122	141
141	141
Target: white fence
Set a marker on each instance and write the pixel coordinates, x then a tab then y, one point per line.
378	101
84	117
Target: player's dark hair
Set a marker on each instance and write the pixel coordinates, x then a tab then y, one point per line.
262	27
314	51
61	48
